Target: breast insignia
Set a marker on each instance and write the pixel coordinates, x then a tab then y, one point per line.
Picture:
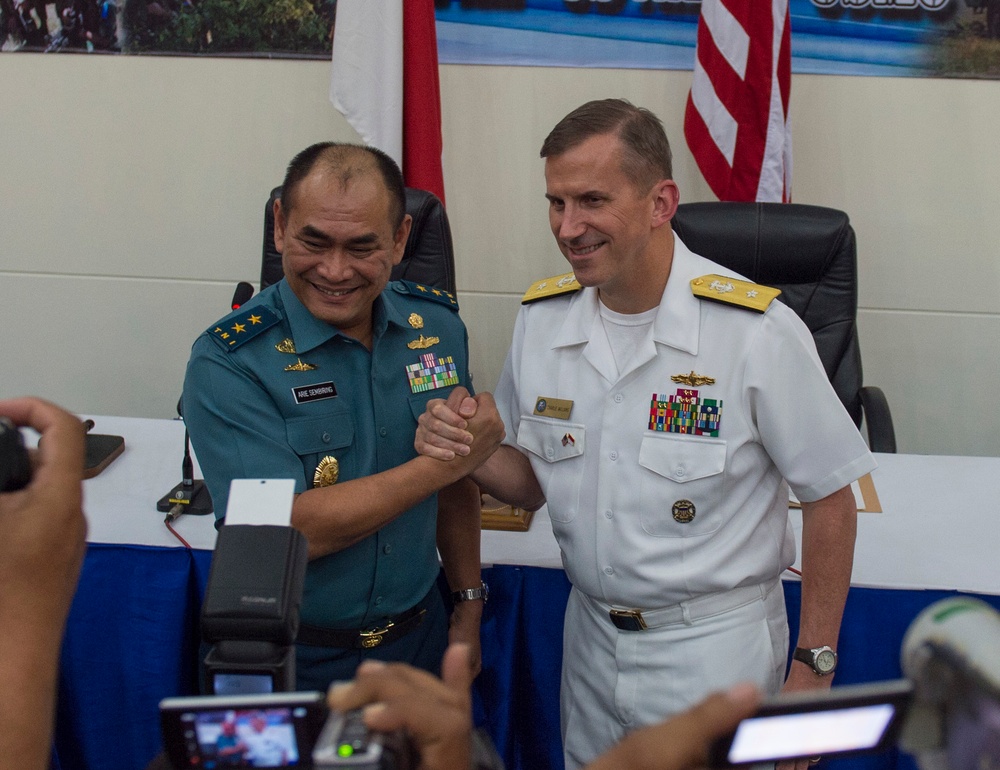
551	287
730	291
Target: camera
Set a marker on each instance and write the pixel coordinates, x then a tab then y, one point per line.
15	464
277	730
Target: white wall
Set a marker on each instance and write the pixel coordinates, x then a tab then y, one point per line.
132	192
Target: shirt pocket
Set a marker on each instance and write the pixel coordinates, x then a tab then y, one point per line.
314	438
560	446
682	476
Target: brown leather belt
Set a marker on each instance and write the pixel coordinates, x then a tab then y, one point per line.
364	638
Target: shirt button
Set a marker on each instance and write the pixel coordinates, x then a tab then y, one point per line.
619	398
383	432
378	600
681	472
386	549
608	515
550	452
613	455
609	571
326	438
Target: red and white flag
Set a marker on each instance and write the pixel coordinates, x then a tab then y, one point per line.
736	121
385	82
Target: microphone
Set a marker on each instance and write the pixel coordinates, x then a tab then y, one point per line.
191	495
244	291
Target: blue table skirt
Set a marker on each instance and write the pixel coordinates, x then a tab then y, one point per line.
132	639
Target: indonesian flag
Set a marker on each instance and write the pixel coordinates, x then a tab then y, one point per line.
736	122
385	82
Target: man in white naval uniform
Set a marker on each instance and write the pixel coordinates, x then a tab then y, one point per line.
663	429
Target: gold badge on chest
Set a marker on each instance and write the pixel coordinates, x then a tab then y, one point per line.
327	472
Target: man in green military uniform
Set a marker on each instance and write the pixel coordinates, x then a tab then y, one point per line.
320	378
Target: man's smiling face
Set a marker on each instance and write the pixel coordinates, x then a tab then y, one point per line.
339	246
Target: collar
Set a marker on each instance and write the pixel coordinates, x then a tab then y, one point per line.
309	332
678	319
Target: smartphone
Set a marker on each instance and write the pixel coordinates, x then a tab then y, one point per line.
276	730
856	719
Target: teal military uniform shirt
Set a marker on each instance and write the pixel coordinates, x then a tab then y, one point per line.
271	391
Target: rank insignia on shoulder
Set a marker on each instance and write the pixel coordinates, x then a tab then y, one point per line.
730	291
243	327
551	287
427	292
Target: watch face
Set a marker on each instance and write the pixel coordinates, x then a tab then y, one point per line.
826	661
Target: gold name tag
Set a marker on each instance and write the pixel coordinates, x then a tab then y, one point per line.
558	408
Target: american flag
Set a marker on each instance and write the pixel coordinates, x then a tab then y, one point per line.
736	121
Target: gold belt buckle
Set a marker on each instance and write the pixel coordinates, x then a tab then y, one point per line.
628	620
373	638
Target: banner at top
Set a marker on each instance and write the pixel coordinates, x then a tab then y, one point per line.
921	38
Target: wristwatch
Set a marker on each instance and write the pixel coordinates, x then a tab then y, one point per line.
822	660
471	594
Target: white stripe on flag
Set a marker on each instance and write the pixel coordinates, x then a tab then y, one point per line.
721	125
730	38
367	81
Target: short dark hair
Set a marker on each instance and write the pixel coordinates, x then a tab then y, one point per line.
646	157
347	161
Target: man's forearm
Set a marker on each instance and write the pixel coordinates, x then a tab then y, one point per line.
829	527
336	517
458	534
507	475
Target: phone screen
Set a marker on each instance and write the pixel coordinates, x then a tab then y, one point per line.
810	734
844	720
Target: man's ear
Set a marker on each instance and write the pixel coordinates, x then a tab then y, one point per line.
666	196
399	240
279	226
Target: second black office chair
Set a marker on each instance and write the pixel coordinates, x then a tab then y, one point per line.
810	253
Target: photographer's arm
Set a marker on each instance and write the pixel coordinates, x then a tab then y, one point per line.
42	542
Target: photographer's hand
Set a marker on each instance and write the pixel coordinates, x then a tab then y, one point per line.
42	542
436	713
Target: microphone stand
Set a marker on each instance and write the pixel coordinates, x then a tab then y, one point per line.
191	495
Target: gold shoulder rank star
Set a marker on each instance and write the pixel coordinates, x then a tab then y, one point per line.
254	319
238	328
421	288
752	293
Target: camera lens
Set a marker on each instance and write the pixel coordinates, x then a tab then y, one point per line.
15	465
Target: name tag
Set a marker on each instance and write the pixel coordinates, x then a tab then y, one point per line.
306	393
559	408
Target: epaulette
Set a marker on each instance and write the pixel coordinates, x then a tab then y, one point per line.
730	291
241	328
427	292
551	287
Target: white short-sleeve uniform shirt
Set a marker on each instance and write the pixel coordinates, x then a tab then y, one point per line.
614	475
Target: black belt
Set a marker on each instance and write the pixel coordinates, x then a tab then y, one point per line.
364	638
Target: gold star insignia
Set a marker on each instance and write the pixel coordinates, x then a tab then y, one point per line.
421	288
254	319
436	293
239	328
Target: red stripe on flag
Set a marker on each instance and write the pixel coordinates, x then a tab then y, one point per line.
748	99
422	144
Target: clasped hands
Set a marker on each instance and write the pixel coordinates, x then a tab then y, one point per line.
465	428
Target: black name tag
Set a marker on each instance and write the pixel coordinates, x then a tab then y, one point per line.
317	392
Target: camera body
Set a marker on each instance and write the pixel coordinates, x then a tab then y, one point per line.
15	464
291	729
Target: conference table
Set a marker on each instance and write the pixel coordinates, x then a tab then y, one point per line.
132	634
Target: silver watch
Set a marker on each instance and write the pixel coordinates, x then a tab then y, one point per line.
822	660
471	594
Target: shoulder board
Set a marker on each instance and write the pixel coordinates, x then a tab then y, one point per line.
730	291
242	327
551	287
427	292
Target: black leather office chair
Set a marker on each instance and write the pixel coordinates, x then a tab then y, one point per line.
429	257
809	252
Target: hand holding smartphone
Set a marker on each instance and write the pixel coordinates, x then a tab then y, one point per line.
855	719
